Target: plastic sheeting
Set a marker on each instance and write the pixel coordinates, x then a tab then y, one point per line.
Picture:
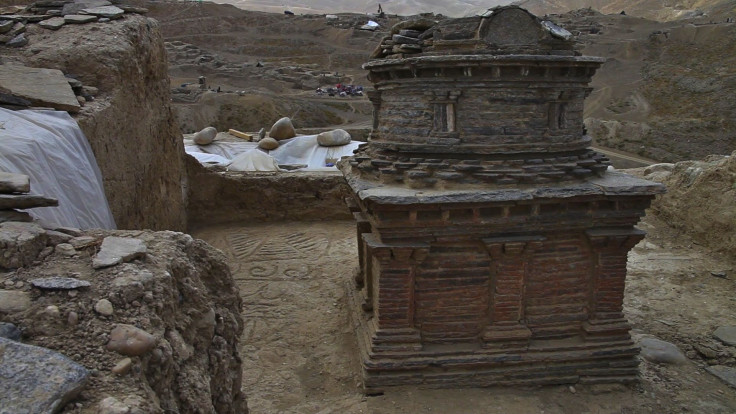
253	160
226	149
306	150
301	150
49	147
205	158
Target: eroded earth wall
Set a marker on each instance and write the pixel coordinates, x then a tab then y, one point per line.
219	197
152	318
129	125
700	199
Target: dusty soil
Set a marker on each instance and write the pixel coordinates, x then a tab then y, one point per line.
299	347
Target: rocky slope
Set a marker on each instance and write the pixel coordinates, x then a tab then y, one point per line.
665	91
661	10
155	331
700	199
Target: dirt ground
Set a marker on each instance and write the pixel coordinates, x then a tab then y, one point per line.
299	354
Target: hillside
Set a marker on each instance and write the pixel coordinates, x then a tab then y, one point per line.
400	7
666	91
661	10
663	94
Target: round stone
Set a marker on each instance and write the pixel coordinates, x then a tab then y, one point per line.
123	366
72	319
268	144
130	341
282	129
66	249
53	311
205	136
333	138
656	350
104	307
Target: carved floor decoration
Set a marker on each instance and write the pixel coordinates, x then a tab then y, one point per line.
297	345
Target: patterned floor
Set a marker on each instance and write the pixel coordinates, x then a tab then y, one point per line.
298	350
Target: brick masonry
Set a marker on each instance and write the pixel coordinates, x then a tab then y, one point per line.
492	241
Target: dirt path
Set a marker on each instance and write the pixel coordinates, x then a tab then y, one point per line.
298	347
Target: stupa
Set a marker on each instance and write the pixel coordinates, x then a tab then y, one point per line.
492	240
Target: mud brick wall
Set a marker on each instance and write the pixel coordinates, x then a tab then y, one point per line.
217	197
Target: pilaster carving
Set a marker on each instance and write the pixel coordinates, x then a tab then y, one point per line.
509	265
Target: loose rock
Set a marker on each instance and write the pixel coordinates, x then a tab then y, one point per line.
104	307
726	334
53	23
268	144
59	283
9	331
282	129
20	243
656	350
52	311
116	250
24	200
130	341
205	136
110	12
72	319
83	242
18	41
333	138
37	380
6	26
123	366
726	374
12	301
42	87
14	183
56	237
79	18
65	249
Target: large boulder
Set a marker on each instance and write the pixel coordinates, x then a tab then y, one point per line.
334	138
205	136
282	129
37	380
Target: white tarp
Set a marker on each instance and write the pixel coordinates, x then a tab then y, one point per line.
301	150
253	160
205	158
49	147
306	150
226	149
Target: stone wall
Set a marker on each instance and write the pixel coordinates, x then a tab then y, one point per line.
129	124
218	197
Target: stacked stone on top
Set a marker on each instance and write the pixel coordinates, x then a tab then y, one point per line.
53	14
14	189
472	102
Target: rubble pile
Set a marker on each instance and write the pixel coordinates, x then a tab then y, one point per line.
406	38
14	189
53	14
113	322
